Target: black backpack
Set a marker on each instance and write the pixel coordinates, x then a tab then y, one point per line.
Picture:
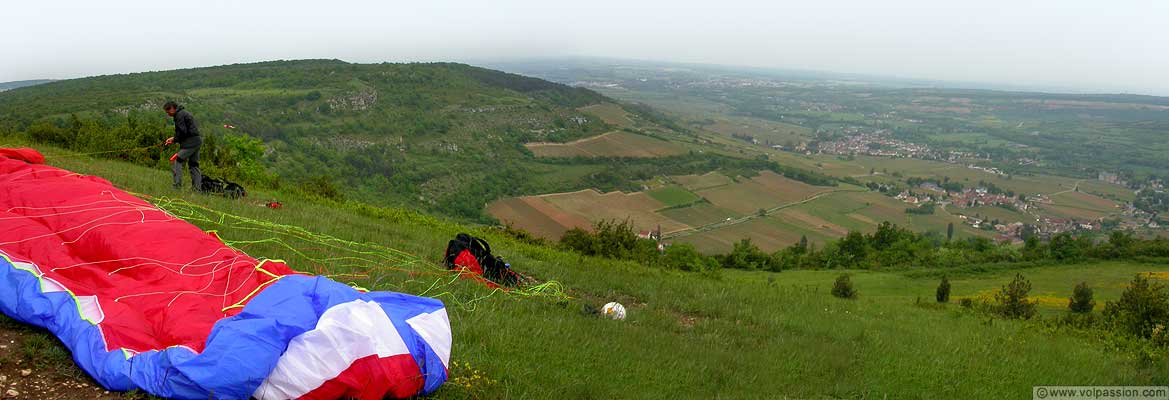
494	268
223	186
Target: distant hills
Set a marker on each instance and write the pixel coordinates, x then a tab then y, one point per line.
19	84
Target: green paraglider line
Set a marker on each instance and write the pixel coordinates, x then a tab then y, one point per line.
339	253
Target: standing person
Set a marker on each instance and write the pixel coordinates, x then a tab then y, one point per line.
187	136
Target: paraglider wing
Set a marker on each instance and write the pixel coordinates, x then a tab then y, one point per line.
145	300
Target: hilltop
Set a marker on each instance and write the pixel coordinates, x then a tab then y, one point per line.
19	84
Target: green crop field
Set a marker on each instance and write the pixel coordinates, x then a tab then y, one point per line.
993	213
704	181
611	113
698	214
673	196
730	335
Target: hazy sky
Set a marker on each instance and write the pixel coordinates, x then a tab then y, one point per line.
1098	45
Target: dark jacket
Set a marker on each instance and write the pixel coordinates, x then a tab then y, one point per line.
186	132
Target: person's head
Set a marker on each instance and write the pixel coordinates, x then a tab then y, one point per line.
171	108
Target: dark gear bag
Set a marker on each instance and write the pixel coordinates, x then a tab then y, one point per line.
224	187
474	254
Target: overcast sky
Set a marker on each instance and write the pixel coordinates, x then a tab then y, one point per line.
1098	45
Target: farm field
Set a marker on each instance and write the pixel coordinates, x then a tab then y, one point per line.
673	195
698	214
637	207
993	213
1085	201
1038	184
768	233
704	181
1107	190
1072	212
612	144
764	191
766	132
550	215
536	216
611	113
831	213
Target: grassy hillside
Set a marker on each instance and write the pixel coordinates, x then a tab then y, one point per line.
446	138
730	334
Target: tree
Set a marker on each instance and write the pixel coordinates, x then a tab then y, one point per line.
685	257
1081	301
1141	308
950	232
579	240
853	248
843	287
943	292
745	255
1012	299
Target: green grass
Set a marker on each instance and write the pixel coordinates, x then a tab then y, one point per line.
731	335
673	196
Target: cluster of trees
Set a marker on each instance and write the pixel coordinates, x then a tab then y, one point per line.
944	183
891	246
1152	201
237	157
1141	312
617	240
924	209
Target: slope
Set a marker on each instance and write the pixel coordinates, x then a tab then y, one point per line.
442	137
742	334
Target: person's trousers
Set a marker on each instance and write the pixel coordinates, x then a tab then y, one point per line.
189	156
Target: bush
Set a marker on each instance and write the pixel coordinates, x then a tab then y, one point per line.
745	255
610	239
843	287
943	293
1012	300
685	257
1081	301
1141	309
322	186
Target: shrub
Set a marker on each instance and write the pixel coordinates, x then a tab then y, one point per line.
966	302
843	287
1140	310
579	240
745	255
1081	301
943	293
1012	300
322	186
685	257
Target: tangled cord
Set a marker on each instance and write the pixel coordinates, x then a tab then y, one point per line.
359	264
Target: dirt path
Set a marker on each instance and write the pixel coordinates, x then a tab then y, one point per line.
1074	188
34	365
